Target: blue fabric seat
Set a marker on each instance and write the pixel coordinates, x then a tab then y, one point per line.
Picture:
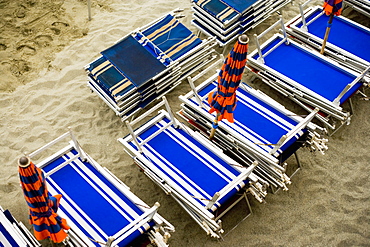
347	39
147	63
263	129
13	233
201	179
309	78
98	207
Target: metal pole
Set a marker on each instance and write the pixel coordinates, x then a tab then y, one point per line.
327	32
89	8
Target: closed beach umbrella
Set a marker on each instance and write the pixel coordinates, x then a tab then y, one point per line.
42	207
223	101
331	8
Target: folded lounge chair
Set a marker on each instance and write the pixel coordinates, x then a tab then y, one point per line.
348	41
189	168
147	63
226	19
13	233
361	6
262	130
98	207
305	76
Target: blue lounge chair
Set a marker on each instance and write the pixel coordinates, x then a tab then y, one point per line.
263	129
99	208
147	63
305	76
347	43
13	233
190	169
226	19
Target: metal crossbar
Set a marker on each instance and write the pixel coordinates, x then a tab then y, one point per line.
257	37
304	23
60	138
146	114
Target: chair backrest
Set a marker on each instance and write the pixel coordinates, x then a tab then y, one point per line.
74	143
146	114
295	130
304	22
191	80
257	37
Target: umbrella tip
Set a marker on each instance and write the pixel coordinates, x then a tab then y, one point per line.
24	161
243	39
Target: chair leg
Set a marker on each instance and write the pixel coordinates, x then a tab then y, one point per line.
347	121
351	107
298	164
249	212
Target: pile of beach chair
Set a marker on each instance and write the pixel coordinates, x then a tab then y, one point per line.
263	130
186	165
206	176
226	19
347	41
361	6
98	207
148	63
14	233
307	77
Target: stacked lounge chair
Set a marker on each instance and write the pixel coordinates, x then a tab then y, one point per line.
98	207
305	76
13	233
226	19
361	6
263	130
147	63
203	180
347	42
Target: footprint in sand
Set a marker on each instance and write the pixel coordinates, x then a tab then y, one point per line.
43	40
26	49
7	188
18	67
20	12
3	47
60	24
56	31
26	31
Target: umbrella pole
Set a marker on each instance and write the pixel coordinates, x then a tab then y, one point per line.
52	243
327	32
214	126
89	8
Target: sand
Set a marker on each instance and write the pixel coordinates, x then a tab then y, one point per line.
44	46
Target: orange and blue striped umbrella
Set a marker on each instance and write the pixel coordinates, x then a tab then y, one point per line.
223	101
333	6
42	214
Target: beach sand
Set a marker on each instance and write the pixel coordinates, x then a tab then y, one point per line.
44	46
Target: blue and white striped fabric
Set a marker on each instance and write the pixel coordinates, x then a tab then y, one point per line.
355	42
91	202
109	78
258	122
13	233
178	158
